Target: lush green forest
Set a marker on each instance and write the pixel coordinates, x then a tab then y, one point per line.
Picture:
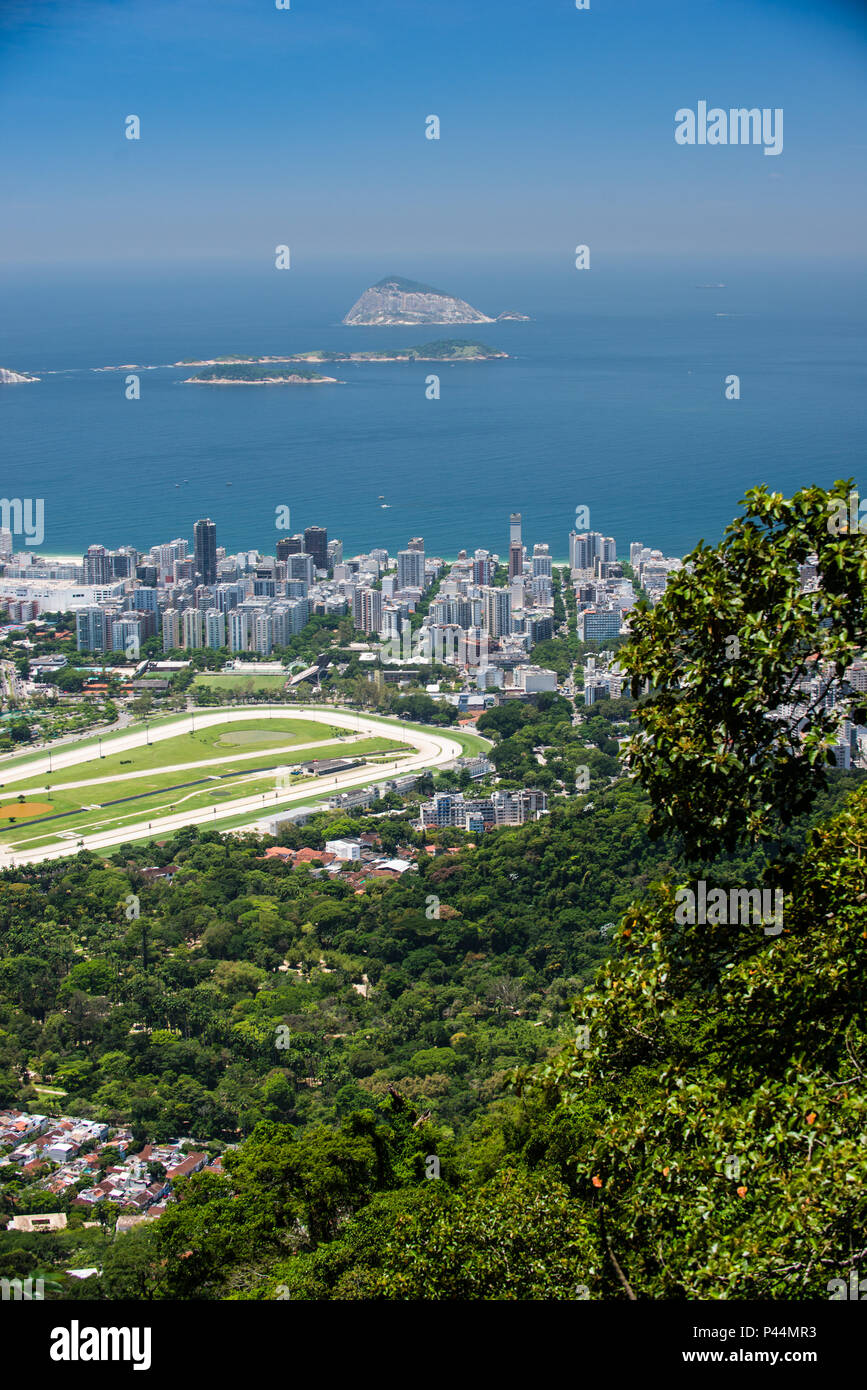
181	1021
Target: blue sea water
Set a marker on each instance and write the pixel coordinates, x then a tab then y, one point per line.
613	398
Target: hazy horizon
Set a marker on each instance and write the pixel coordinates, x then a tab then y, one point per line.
306	127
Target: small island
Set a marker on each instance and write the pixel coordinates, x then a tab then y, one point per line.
441	350
10	378
252	374
229	360
396	300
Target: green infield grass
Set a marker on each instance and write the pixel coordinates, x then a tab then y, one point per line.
199	747
164	793
238	682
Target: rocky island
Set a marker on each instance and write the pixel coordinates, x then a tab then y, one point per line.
442	350
398	301
9	378
253	374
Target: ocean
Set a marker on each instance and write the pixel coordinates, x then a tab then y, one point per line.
613	398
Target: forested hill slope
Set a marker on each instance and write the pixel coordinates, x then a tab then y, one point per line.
702	1143
181	1021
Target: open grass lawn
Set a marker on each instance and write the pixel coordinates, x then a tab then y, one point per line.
185	748
237	681
255	738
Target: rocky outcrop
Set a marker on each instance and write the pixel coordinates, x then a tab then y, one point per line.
398	301
8	378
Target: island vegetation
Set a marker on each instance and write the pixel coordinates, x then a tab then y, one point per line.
441	350
254	374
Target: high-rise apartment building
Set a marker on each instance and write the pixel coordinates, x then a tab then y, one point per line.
127	635
143	598
289	618
215	629
171	629
541	560
205	541
410	569
300	566
147	574
289	545
227	596
496	611
316	544
92	630
166	557
586	546
239	630
263	634
122	562
97	565
599	624
367	609
192	628
483	568
454	610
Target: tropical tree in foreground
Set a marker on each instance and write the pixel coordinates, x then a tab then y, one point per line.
730	742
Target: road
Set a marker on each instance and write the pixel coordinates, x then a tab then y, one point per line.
429	751
13	687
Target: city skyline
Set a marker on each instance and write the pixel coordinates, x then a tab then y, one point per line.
246	602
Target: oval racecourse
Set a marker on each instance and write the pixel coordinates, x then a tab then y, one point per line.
194	769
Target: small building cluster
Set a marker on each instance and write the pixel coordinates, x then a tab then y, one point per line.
478	814
67	1155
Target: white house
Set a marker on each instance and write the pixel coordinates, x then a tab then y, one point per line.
349	850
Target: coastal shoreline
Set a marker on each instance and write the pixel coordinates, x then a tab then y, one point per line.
77	559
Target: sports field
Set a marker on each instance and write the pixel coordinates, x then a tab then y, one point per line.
247	738
238	682
207	767
189	772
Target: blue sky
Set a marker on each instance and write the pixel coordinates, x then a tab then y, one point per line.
306	126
